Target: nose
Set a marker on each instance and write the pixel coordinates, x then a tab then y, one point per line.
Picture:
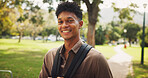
64	25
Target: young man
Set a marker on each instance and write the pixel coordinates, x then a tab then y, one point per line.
94	65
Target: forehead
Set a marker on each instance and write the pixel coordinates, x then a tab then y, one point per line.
68	15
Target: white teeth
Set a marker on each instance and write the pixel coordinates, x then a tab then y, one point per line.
65	31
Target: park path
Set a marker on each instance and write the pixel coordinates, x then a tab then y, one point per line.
120	64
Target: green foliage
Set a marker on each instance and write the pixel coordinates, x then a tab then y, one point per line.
48	1
125	13
34	19
44	33
114	32
100	36
48	31
134	5
5	25
18	2
21	19
50	8
5	22
34	8
145	38
49	26
132	30
37	22
18	21
37	19
114	36
6	8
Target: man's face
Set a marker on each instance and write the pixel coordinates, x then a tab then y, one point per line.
69	25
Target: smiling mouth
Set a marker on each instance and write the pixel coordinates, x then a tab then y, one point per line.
66	31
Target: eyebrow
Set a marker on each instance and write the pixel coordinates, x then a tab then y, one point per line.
67	18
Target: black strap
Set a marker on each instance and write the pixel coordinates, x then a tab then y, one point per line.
76	62
56	64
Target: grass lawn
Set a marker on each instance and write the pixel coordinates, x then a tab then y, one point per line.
25	59
140	71
107	51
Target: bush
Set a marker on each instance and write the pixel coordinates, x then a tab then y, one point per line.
100	36
146	37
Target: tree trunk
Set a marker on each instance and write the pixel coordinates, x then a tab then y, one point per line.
34	37
92	10
130	41
91	35
20	37
57	36
43	39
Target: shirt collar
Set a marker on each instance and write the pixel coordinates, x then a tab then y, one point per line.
75	48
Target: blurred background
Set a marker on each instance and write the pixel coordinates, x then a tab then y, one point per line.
28	29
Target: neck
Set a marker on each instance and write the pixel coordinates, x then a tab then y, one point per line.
70	43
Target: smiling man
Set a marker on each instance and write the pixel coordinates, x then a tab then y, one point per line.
74	59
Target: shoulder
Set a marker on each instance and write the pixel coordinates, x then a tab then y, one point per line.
51	53
99	64
95	55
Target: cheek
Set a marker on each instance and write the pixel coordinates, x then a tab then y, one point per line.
59	27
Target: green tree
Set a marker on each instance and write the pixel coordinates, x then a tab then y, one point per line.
125	13
146	37
37	21
48	31
49	26
6	7
132	30
113	32
22	23
21	27
100	36
5	22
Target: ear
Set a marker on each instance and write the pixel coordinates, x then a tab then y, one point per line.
80	24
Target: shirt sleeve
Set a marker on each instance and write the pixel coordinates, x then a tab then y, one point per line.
102	69
44	71
47	64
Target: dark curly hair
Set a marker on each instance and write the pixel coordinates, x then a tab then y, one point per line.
69	7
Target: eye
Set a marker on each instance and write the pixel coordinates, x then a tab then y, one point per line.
60	22
70	20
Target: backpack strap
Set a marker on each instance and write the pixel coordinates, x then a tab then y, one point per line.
77	60
56	64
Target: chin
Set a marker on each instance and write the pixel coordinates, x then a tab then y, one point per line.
67	38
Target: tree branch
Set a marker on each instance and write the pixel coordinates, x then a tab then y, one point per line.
87	3
95	3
